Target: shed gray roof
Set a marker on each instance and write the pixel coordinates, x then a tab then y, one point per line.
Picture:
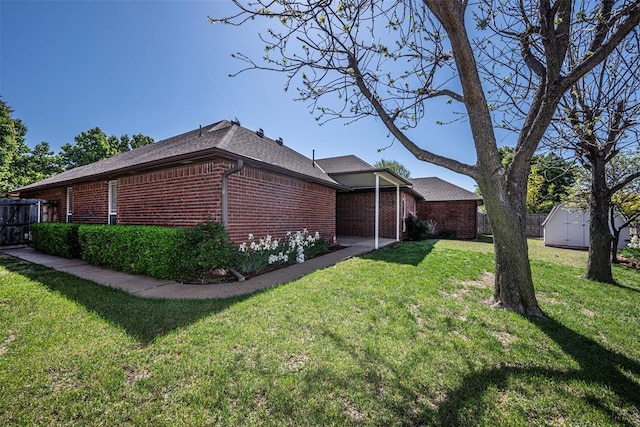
223	138
340	164
437	190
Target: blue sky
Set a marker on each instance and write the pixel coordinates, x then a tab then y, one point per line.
160	68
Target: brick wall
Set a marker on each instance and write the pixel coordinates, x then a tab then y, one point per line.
458	216
90	202
262	202
355	213
180	196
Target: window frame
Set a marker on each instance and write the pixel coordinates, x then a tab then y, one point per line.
69	216
112	214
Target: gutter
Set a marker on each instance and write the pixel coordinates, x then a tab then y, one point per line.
225	190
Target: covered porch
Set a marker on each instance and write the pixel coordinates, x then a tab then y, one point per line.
375	206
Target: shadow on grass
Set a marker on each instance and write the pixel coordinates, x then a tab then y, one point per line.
485	238
144	319
597	365
412	254
627	286
391	387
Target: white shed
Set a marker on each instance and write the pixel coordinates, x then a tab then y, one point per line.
569	228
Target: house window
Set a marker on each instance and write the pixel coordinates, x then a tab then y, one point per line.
69	204
404	214
113	202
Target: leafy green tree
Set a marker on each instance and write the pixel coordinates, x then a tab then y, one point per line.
391	59
394	166
12	134
549	181
94	145
32	165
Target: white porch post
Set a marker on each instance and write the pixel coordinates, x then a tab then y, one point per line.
377	211
397	213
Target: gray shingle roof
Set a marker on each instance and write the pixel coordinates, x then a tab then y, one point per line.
340	164
437	190
221	138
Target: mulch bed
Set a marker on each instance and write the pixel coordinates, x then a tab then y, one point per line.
629	262
219	276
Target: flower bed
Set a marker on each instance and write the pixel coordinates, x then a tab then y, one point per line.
630	254
266	253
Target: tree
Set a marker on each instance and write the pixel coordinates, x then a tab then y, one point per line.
32	165
389	59
12	134
626	200
94	145
624	204
598	121
394	166
550	179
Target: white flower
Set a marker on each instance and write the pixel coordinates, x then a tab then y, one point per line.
250	236
243	247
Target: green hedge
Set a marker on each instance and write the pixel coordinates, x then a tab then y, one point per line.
135	249
55	238
160	252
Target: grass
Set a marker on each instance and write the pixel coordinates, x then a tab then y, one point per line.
401	336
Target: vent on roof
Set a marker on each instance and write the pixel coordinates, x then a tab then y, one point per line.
235	121
200	133
260	133
280	141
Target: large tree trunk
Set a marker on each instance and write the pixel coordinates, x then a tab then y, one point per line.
505	197
513	288
600	238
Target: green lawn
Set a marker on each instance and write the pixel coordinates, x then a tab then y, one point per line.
402	336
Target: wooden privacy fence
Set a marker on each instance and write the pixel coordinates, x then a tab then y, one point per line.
16	217
534	224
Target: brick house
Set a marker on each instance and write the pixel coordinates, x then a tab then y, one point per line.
357	212
453	208
227	173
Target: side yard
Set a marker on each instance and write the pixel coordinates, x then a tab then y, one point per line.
401	336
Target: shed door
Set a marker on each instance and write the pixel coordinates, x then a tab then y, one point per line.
578	229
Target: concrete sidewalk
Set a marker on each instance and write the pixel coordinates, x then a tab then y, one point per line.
148	287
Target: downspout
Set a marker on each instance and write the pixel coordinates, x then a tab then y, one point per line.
397	213
225	188
377	221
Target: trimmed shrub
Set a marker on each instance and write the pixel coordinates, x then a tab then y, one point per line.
56	238
160	252
139	249
203	248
